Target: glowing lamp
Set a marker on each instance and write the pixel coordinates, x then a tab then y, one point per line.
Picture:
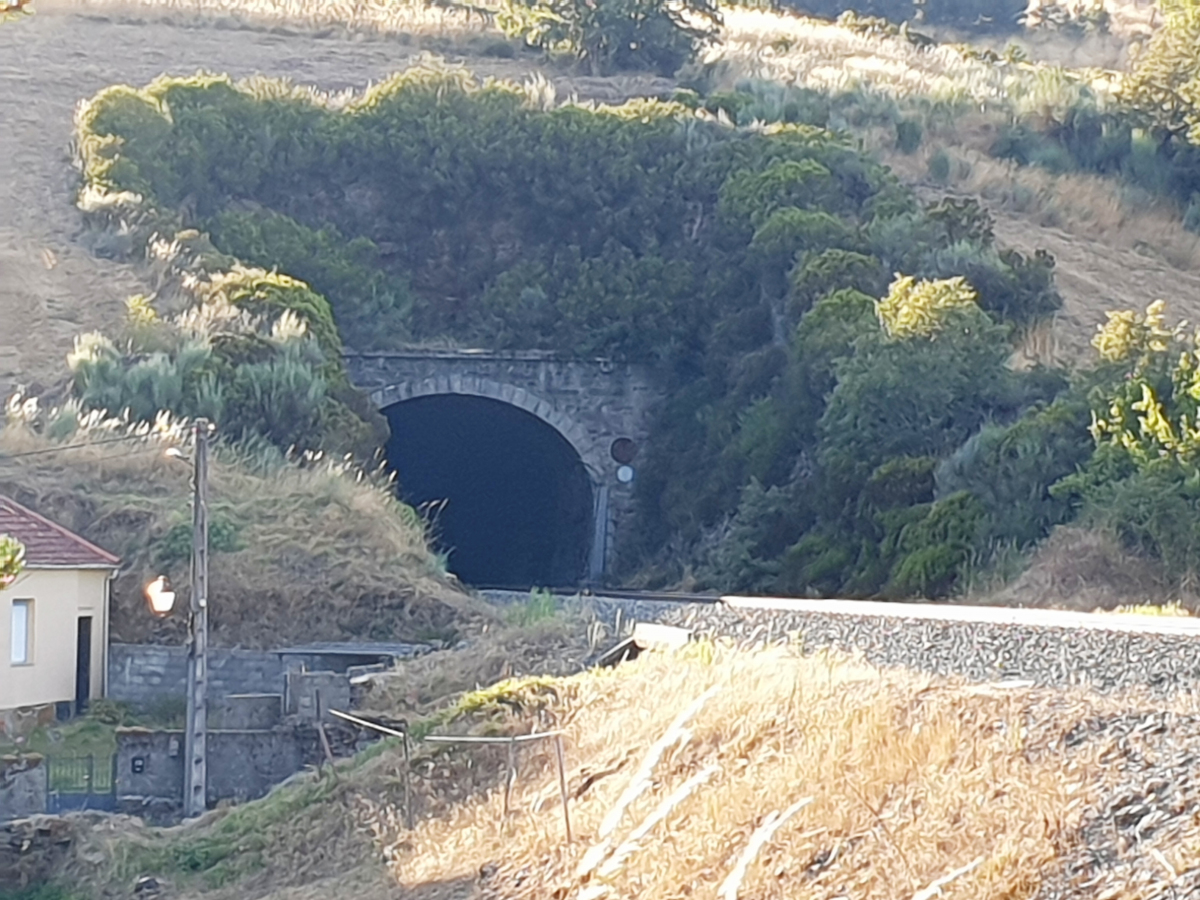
160	596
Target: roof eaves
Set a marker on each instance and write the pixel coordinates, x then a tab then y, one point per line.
62	566
109	558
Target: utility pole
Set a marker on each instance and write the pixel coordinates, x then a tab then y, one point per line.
196	736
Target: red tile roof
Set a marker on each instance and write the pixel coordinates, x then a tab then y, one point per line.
47	544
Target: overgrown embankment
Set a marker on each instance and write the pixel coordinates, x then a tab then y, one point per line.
743	262
841	420
880	783
301	550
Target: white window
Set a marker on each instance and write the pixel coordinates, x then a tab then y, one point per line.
22	631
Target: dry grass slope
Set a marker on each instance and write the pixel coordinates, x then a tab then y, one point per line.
882	784
311	552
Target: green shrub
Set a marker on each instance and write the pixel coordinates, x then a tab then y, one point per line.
270	295
12	558
224	536
935	549
605	35
939	166
1143	478
818	275
1012	468
908	135
742	263
370	308
1165	81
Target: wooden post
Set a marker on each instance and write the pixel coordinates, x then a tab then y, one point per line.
562	782
510	776
195	798
408	800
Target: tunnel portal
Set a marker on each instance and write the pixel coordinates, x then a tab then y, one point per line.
509	497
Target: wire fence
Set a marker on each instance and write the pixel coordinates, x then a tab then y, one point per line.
511	741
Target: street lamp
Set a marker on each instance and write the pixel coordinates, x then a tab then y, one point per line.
161	599
159	596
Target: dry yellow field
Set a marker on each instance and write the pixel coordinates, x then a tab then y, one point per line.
719	774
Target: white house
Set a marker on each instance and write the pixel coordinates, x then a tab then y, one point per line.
53	620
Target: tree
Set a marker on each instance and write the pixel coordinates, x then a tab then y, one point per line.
1152	410
12	559
1143	480
1165	81
604	35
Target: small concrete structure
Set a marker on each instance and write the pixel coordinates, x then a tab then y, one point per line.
242	765
247	712
145	675
310	695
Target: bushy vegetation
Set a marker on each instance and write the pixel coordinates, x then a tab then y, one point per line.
1132	129
12	559
258	354
744	263
1144	478
972	15
1146	132
605	35
842	414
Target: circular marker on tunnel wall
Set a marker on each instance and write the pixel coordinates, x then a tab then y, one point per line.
624	451
625	474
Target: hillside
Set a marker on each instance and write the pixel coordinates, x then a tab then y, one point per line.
888	784
758	413
54	282
53	285
302	551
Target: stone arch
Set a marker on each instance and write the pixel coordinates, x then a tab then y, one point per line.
471	386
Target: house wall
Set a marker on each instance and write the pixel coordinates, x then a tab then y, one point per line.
60	597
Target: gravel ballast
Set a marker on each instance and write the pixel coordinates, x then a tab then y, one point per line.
1050	648
1102	651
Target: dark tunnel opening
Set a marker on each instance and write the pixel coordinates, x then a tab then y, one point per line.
511	498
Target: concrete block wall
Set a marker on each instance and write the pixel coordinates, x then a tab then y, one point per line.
144	675
242	765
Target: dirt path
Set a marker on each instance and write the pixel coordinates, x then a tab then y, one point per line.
1094	277
53	288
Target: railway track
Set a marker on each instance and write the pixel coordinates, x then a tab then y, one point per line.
1103	651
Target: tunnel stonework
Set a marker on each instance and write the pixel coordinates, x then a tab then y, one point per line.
590	402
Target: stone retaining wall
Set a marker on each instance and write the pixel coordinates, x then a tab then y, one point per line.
242	765
22	788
